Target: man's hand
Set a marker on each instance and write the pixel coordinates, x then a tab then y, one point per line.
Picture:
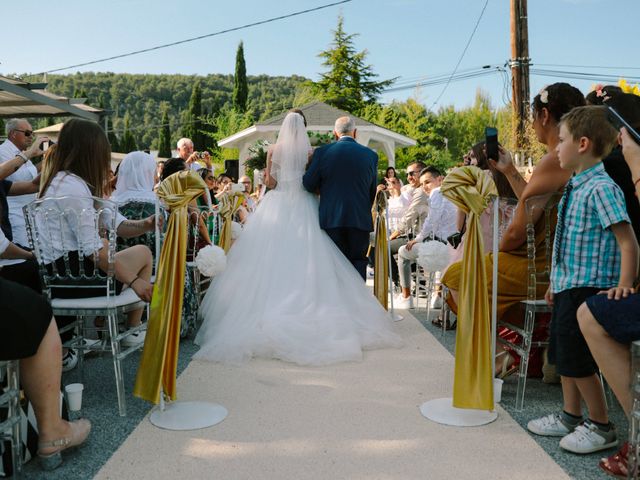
394	235
410	245
192	158
34	150
504	163
548	297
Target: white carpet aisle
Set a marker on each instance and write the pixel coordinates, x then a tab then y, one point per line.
347	421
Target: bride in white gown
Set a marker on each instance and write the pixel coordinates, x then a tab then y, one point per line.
288	292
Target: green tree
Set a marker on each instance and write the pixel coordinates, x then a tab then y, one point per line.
164	137
192	121
128	143
348	84
240	87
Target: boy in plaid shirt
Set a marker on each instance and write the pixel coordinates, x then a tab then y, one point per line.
595	249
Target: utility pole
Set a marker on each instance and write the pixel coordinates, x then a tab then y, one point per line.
519	64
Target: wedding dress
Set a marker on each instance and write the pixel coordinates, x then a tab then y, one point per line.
288	292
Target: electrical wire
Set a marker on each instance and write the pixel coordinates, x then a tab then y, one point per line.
585	66
200	37
463	52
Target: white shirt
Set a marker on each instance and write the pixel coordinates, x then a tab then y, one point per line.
442	218
397	208
76	233
25	173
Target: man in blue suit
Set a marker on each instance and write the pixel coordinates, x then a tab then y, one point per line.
345	174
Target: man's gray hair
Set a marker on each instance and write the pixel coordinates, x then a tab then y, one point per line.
182	141
344	125
13	124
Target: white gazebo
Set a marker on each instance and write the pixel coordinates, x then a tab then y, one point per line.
320	118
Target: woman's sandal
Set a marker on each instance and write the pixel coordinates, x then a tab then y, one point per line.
79	432
616	465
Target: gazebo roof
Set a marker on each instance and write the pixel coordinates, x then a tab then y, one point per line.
320	118
23	99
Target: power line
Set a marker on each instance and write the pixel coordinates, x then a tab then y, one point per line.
463	52
585	66
166	45
593	76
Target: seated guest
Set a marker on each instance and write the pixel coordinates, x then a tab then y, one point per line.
413	218
397	201
439	225
134	194
594	249
548	107
212	184
390	173
245	181
29	333
79	168
20	143
24	272
610	323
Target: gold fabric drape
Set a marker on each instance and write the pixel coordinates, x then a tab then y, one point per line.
471	190
228	206
160	354
381	261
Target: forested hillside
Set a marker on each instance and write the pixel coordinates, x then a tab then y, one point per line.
144	97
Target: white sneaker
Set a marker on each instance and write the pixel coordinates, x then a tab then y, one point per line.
549	426
370	272
588	438
399	301
134	339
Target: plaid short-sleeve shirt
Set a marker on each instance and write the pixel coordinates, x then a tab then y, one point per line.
589	255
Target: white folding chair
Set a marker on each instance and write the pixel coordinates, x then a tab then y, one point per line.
10	399
64	232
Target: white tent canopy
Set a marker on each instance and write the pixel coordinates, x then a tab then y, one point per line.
320	118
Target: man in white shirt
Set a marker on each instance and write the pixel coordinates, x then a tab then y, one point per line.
439	224
185	152
19	139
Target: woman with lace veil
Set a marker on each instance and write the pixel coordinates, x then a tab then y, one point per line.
288	292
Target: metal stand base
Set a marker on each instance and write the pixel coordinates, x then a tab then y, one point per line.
188	415
441	410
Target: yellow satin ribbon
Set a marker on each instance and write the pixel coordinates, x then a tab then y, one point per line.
381	261
228	206
160	354
471	190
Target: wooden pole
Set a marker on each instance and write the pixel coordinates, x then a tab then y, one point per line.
520	70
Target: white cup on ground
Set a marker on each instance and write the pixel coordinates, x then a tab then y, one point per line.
74	396
497	390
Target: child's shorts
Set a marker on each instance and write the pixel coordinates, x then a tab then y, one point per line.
568	350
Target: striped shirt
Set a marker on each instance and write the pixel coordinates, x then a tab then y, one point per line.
588	253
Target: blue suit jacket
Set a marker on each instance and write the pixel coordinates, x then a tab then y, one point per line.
345	173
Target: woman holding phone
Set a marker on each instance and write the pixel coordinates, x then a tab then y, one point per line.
548	107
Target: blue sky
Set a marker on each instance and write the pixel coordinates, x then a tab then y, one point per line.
409	39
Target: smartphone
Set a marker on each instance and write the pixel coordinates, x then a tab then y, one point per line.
491	142
616	119
44	146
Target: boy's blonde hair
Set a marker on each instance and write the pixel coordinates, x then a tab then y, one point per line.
592	122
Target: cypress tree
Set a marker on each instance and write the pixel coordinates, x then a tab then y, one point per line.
128	140
240	88
164	138
192	122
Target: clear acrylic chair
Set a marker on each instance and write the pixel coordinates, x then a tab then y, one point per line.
540	210
62	231
10	428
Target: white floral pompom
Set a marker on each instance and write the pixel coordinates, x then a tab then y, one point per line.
211	260
236	230
433	256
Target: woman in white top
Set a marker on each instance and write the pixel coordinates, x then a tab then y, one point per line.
79	168
398	202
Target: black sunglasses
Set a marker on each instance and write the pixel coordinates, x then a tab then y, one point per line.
411	174
27	133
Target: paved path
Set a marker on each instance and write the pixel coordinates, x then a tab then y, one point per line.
347	421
